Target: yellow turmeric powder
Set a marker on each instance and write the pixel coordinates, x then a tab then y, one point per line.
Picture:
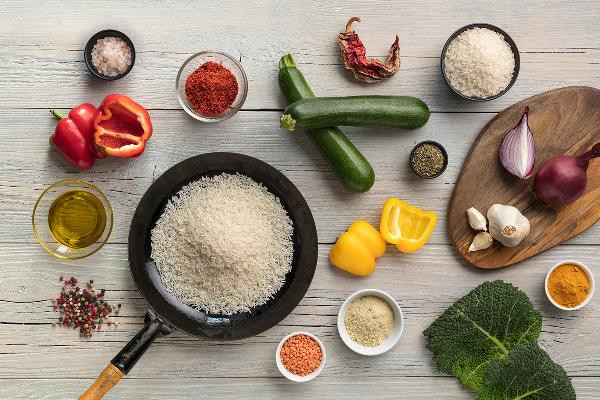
568	285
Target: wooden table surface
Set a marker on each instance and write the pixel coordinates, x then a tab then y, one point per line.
42	67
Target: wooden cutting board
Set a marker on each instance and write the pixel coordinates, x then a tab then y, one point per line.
563	121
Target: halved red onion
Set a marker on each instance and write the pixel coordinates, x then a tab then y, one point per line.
517	152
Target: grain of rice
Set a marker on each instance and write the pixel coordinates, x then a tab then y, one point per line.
223	244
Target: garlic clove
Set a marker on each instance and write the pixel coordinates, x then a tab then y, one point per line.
507	224
482	241
476	219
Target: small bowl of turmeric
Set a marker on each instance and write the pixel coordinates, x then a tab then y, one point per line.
569	285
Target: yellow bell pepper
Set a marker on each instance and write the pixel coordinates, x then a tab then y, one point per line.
356	249
405	225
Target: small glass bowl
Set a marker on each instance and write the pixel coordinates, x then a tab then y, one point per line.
41	229
195	61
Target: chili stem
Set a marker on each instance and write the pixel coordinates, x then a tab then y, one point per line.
349	24
56	115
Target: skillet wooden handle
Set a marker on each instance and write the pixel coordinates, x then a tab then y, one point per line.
107	379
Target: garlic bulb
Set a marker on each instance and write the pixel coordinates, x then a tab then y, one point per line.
507	224
482	241
476	219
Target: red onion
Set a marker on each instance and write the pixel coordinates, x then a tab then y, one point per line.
517	152
562	179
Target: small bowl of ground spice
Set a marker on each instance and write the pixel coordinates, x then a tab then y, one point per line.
211	86
109	55
429	159
569	285
300	356
370	322
480	62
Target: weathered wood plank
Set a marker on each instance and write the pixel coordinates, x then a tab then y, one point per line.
259	33
348	387
29	166
424	284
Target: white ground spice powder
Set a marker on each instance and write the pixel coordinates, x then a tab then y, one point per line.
369	320
223	244
479	63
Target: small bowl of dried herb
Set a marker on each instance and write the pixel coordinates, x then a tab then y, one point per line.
370	322
428	159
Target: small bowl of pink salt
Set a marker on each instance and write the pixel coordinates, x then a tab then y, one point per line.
109	55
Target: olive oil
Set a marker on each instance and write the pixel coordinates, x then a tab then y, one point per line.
77	219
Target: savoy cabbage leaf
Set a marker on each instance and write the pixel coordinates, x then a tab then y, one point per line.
480	328
527	373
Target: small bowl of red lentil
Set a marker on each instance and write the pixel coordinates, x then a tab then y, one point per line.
211	86
300	356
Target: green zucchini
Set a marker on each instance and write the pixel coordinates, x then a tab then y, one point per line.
389	111
351	167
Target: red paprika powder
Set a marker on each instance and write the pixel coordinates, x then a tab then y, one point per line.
211	88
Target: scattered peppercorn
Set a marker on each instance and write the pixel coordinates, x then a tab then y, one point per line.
428	160
211	88
301	355
84	309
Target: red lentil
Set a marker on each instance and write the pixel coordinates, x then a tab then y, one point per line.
84	309
301	355
211	88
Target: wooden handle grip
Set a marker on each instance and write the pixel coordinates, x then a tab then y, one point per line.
107	379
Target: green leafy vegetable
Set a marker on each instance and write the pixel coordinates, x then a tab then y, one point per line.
526	373
481	327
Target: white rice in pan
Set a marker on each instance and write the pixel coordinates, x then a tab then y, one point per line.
223	244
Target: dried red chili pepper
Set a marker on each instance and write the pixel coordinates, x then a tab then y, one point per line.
355	59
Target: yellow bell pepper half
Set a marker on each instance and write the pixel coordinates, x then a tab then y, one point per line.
356	249
405	225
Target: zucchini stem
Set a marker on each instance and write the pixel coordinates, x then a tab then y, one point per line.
287	61
287	122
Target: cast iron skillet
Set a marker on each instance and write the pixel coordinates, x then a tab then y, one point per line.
168	312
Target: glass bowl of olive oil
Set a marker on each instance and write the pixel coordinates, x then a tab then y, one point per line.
72	219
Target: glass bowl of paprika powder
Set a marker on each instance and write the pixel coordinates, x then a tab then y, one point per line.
211	86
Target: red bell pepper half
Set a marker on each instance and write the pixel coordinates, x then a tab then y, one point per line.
122	127
73	136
